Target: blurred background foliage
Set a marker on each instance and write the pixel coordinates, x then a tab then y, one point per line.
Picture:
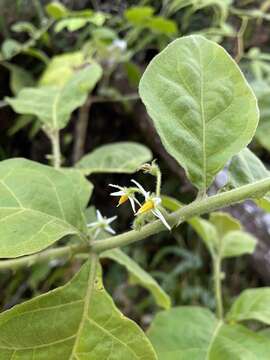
43	42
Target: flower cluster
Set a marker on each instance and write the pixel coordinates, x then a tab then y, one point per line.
151	203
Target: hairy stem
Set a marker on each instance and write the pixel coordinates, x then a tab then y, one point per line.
56	151
44	256
240	39
205	205
217	286
158	183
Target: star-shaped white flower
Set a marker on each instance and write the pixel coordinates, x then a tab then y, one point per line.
125	194
102	223
151	203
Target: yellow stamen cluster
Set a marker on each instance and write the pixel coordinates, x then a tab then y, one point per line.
147	206
122	200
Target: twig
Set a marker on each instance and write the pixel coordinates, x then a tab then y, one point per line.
81	131
205	205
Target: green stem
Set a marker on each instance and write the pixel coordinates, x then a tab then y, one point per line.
55	140
44	256
206	205
217	286
39	10
158	184
240	39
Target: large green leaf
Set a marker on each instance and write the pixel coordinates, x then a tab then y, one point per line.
121	157
83	187
61	68
139	276
38	206
193	333
77	321
252	304
195	93
53	105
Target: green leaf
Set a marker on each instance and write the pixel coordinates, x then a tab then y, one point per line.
195	93
76	321
71	24
161	25
56	10
61	68
236	243
19	78
236	342
25	26
246	168
224	223
83	187
10	48
140	276
194	333
121	157
38	206
223	235
262	91
137	15
207	232
53	106
252	304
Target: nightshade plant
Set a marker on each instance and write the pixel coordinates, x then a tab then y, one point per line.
205	114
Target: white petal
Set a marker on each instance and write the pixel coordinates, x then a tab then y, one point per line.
145	193
92	224
110	230
132	202
111	219
116	186
118	193
99	216
158	214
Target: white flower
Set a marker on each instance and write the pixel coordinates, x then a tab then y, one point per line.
102	223
125	194
151	203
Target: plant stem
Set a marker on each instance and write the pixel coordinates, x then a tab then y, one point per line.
217	286
55	140
81	131
39	10
240	39
158	183
61	252
206	205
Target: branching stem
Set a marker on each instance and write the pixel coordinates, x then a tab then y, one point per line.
206	205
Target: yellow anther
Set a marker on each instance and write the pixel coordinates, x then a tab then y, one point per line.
122	199
147	206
